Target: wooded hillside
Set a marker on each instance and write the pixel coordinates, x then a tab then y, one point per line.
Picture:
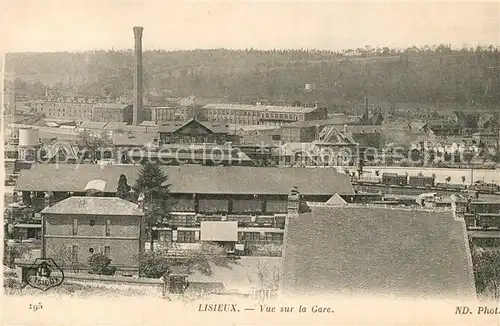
422	75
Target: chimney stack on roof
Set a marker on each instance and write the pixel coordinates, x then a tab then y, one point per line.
293	202
138	91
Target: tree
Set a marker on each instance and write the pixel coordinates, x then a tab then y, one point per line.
486	265
265	278
93	145
16	251
151	183
154	264
208	255
123	190
99	264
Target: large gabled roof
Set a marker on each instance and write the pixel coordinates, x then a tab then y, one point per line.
109	206
364	250
190	179
175	126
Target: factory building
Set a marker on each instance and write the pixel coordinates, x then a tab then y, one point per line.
244	114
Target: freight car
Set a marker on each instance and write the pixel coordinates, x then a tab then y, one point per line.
421	181
481	207
485	188
394	179
450	186
488	220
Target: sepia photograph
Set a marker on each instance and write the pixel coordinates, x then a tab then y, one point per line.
250	162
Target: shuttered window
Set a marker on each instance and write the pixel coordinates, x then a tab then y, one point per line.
75	226
186	236
73	251
108	228
105	250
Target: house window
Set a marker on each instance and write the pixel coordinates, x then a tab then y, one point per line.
251	236
75	226
108	228
105	250
92	222
179	220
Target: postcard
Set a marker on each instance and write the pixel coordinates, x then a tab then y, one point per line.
250	163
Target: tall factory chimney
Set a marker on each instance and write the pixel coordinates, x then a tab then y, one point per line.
137	113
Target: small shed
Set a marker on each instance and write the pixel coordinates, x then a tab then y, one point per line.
224	233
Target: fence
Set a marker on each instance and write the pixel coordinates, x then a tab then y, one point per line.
151	286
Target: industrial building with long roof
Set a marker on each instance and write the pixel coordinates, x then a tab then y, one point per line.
190	179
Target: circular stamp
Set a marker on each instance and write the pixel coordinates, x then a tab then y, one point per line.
44	274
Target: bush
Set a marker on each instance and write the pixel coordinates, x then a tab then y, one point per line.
154	264
99	264
16	251
11	283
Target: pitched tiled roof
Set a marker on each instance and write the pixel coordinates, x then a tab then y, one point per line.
139	129
148	123
92	125
364	250
336	200
190	179
218	155
139	139
114	125
71	152
94	206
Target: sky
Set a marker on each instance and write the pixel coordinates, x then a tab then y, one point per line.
49	26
